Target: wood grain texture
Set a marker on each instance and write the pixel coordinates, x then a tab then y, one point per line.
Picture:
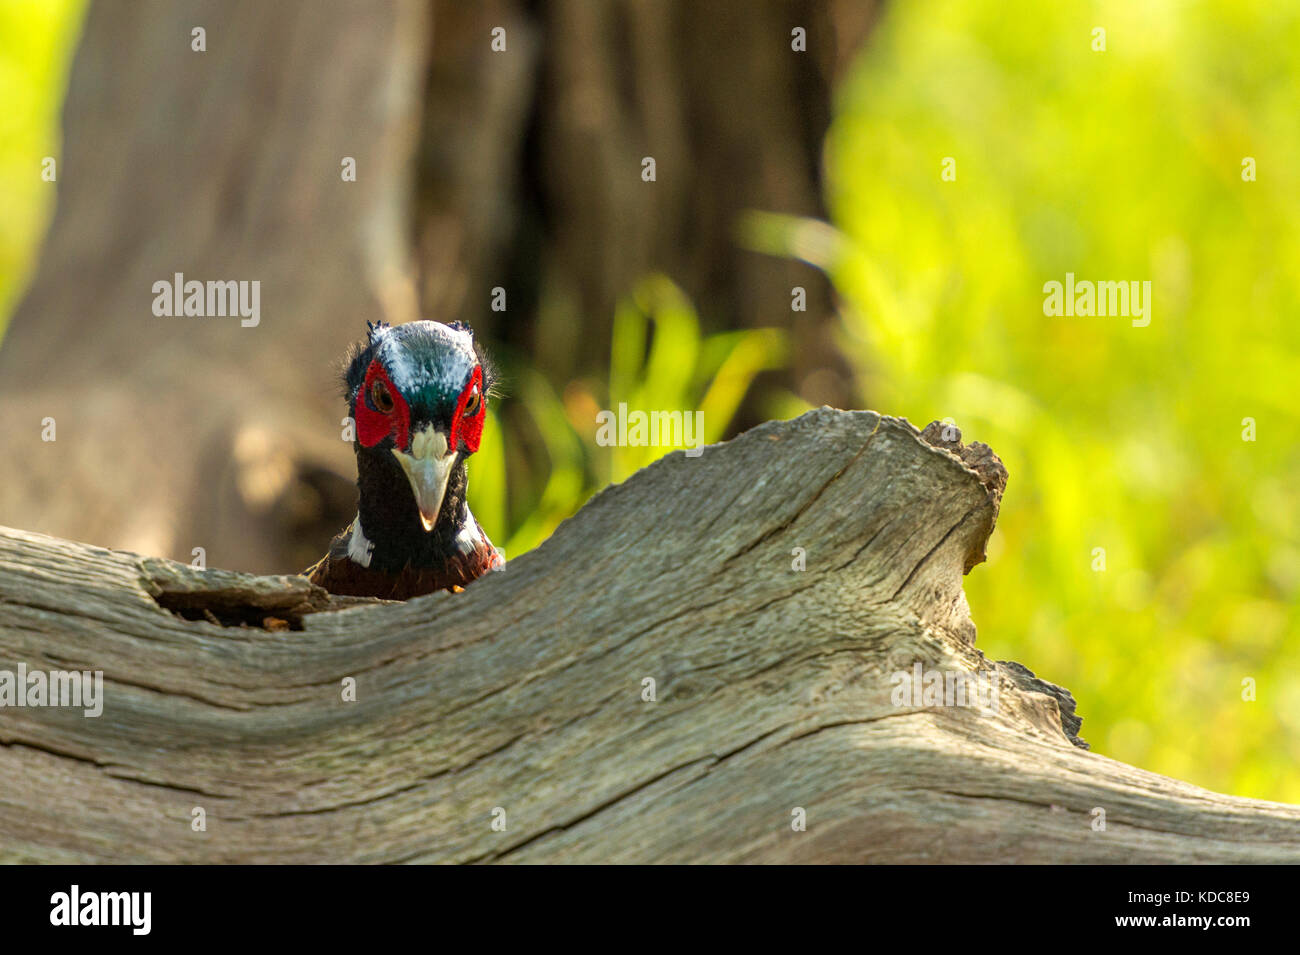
524	692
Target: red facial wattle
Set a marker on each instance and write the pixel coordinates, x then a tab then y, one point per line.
469	428
374	425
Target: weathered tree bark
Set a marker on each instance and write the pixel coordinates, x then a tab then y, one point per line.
524	694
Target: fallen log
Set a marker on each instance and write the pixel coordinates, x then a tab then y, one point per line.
709	663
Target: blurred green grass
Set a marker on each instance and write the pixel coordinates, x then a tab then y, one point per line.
660	360
1116	165
1122	165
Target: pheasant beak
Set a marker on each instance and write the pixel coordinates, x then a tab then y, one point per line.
428	468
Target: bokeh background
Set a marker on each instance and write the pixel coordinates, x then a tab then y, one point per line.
776	169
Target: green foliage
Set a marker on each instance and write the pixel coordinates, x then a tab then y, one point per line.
36	45
1116	165
678	369
660	361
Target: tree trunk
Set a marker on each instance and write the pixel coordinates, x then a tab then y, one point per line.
524	701
543	194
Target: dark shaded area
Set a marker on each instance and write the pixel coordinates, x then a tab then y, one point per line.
529	168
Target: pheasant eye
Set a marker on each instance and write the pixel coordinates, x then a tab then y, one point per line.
473	403
380	397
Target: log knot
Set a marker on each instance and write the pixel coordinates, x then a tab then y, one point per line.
976	456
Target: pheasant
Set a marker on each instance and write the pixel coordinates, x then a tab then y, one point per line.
418	396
